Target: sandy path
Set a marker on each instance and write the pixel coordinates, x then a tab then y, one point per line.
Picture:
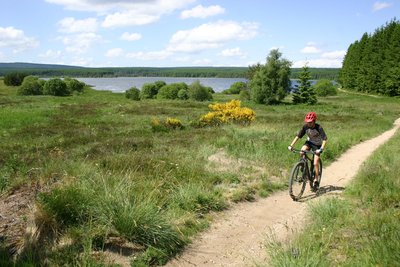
237	237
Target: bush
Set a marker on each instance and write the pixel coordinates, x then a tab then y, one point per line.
183	94
174	91
168	124
14	78
133	93
56	87
227	113
199	92
73	85
159	84
149	91
169	91
31	86
325	87
236	88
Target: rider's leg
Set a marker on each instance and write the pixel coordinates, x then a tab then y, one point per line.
305	148
316	167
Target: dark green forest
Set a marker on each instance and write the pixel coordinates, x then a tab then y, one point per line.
371	64
44	70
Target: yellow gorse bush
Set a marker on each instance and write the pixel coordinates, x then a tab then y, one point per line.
169	123
230	112
173	123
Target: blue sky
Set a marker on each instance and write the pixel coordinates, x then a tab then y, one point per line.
165	33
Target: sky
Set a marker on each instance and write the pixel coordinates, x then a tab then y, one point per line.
173	33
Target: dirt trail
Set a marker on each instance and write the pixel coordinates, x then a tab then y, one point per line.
237	238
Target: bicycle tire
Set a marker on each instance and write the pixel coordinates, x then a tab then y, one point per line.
297	180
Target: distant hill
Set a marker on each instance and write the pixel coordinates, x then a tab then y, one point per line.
23	65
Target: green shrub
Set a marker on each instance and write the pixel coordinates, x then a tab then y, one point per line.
149	91
133	93
236	88
199	92
169	91
159	84
183	94
73	85
325	87
30	86
14	78
56	87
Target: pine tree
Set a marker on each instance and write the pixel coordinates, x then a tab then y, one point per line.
304	93
372	64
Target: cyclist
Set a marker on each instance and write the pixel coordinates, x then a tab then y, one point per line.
316	141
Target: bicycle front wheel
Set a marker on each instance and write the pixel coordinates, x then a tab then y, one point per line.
297	180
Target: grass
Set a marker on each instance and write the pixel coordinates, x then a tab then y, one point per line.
360	229
103	171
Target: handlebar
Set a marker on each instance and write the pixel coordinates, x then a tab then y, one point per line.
303	151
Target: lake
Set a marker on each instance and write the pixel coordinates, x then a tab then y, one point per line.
121	84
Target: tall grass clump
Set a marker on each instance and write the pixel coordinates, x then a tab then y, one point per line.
116	207
360	230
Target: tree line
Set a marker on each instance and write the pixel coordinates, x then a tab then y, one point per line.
186	72
371	64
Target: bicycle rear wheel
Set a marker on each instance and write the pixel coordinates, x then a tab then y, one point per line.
297	180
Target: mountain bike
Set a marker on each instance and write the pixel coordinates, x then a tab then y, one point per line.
303	172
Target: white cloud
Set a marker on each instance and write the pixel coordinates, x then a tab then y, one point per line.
331	59
120	13
129	18
126	36
51	54
380	5
16	39
70	25
319	63
334	54
202	62
153	55
98	5
114	52
82	62
310	48
233	52
211	35
80	43
202	12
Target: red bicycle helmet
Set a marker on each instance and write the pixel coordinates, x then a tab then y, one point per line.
310	117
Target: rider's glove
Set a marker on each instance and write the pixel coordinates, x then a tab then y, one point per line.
290	148
319	151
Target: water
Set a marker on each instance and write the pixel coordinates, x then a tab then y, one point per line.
121	84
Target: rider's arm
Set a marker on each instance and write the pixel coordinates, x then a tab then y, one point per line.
294	141
323	144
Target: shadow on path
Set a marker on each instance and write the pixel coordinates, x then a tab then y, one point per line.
321	191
